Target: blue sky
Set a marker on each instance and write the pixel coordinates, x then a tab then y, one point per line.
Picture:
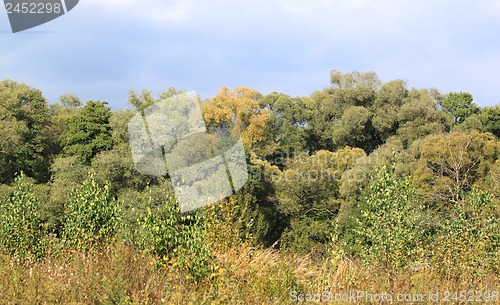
102	49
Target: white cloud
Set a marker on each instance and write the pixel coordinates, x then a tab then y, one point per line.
287	45
150	10
489	7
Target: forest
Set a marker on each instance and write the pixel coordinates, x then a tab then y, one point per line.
361	186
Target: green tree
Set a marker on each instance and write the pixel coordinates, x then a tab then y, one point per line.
490	119
308	192
419	116
91	217
146	98
21	231
355	129
459	105
67	174
355	88
450	164
176	239
61	112
289	121
24	119
70	101
391	225
88	132
117	167
119	125
348	90
390	98
469	242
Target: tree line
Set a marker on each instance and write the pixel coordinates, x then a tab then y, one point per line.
366	169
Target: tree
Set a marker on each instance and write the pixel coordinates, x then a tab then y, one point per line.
459	105
348	90
470	238
386	108
238	111
91	217
67	174
88	132
308	192
176	239
419	116
289	121
70	101
355	88
117	167
390	226
451	164
21	231
24	119
490	119
146	99
67	107
355	129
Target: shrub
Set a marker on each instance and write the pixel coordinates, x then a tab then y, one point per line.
469	241
391	223
91	218
176	239
21	231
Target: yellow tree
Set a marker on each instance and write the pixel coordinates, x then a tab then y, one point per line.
238	110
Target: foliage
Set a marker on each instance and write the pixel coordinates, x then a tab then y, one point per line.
459	105
145	98
91	217
21	231
328	189
470	239
490	120
289	121
24	118
238	110
67	174
331	120
451	164
419	116
355	129
308	191
391	225
88	132
390	98
70	101
176	239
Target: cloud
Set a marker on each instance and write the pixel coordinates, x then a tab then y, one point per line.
159	12
489	7
102	49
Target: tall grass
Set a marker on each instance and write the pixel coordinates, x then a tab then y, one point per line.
244	275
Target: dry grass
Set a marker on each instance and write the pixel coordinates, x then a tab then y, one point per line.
244	275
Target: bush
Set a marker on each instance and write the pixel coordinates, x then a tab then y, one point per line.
91	218
469	243
391	224
176	239
21	231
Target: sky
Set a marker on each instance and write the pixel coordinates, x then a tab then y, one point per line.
102	49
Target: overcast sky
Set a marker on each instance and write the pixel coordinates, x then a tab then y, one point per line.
103	48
